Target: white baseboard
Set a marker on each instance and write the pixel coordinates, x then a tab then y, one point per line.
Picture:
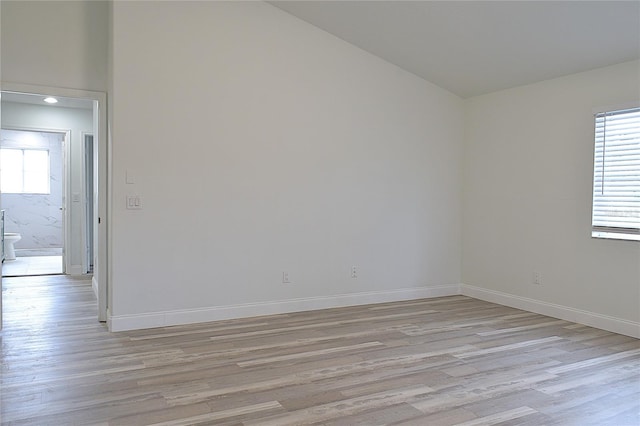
42	251
75	270
217	313
604	322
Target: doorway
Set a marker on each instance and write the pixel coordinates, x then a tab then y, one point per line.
33	167
85	189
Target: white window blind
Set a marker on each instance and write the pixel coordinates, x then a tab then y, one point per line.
616	183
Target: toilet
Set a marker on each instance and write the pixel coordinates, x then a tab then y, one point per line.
10	238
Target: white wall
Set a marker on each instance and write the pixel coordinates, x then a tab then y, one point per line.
55	43
78	121
1	263
527	196
260	144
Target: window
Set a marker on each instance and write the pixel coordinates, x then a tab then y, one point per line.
24	171
616	182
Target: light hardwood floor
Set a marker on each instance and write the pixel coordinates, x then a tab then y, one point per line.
444	361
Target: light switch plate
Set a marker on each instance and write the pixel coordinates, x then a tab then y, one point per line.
133	202
130	177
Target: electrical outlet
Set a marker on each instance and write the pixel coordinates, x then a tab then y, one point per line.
354	272
285	278
537	278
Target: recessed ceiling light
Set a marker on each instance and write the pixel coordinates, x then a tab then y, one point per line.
51	100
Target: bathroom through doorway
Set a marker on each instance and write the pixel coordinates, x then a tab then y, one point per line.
33	167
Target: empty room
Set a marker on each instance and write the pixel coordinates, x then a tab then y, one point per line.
324	212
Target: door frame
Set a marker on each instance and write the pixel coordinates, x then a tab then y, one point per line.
66	187
102	270
89	228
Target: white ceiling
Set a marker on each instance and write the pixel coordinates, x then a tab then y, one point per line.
477	47
27	98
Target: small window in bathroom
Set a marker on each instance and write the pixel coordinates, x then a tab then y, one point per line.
24	171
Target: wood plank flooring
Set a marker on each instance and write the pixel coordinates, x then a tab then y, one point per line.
444	361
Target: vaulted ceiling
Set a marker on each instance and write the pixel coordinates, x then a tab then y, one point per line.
476	47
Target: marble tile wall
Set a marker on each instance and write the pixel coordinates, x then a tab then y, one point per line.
37	217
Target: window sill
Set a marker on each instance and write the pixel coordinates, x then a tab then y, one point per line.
615	236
